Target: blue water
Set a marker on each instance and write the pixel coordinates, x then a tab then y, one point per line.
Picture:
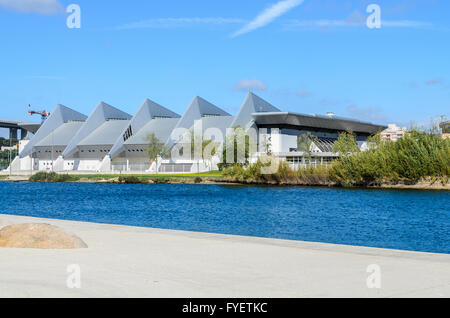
407	220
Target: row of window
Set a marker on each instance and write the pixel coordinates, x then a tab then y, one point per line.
49	151
308	161
161	117
101	150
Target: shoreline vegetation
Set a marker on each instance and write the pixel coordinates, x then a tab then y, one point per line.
53	177
420	160
217	178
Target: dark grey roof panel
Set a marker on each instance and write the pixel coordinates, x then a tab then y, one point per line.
102	113
252	104
300	121
59	116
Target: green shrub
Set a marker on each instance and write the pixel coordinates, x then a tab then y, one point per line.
418	155
130	180
283	175
161	180
52	177
198	180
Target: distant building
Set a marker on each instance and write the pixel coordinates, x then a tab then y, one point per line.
5	148
445	129
393	133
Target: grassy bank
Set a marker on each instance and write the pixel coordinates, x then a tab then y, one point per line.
212	174
128	179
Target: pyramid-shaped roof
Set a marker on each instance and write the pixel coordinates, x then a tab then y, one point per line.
221	123
58	117
148	111
106	134
101	114
162	128
62	135
252	104
198	109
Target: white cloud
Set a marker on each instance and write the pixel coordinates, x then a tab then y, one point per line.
305	24
355	19
46	7
303	93
406	24
250	85
178	23
329	102
367	113
268	15
434	81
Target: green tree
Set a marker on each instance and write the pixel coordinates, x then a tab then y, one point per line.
8	142
375	141
305	141
417	155
346	144
155	149
238	140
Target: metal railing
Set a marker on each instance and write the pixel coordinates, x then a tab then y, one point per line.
175	168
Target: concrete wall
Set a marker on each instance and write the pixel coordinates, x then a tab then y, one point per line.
89	165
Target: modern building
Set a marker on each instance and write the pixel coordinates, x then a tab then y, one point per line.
253	104
6	148
280	132
129	151
393	133
89	149
200	113
110	140
52	138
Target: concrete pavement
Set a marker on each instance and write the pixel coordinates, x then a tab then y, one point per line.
126	261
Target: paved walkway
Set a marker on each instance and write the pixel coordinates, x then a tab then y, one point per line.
139	262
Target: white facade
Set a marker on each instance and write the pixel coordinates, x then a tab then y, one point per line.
394	132
110	140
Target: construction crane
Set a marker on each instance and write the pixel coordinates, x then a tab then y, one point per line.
44	115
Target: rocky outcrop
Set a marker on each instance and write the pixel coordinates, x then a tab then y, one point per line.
38	236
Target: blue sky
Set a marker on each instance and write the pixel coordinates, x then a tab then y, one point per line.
311	56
